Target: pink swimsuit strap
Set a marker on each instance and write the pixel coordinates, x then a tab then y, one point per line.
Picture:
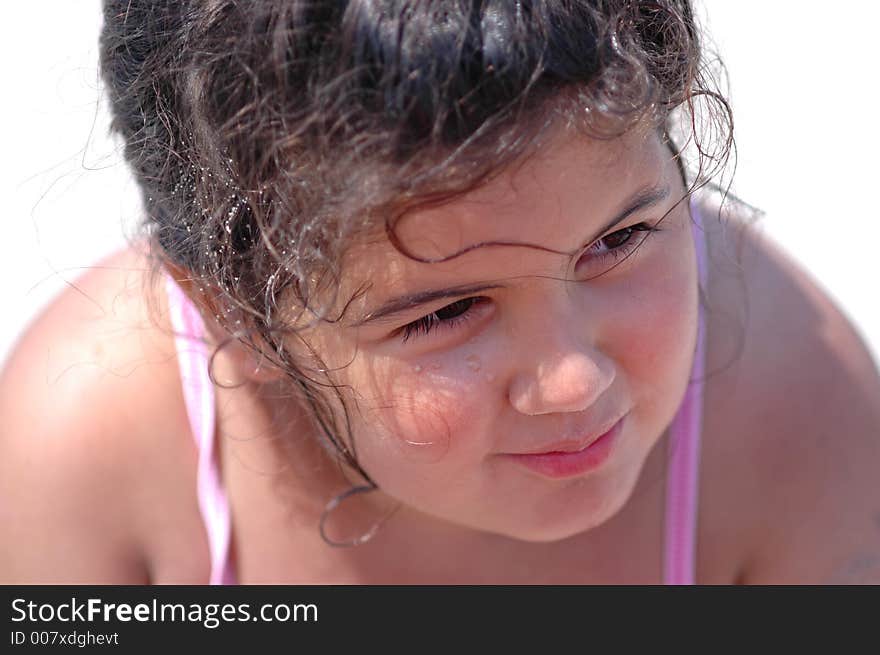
682	484
198	394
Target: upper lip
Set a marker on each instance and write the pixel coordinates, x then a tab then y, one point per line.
574	443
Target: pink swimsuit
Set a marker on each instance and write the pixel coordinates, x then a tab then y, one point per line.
198	393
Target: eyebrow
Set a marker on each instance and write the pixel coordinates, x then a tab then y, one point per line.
642	199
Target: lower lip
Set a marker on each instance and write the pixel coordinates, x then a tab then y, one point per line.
565	465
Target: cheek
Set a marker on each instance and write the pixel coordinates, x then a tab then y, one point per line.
655	339
423	414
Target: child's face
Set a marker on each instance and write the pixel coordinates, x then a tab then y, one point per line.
536	359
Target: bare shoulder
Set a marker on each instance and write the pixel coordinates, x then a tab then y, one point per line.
96	468
791	464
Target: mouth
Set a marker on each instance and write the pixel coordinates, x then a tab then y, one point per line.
569	458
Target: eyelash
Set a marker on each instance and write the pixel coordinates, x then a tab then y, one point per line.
428	323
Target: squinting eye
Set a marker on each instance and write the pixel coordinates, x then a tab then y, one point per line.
618	245
622	244
445	318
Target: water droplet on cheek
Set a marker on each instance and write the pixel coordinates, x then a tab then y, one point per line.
473	362
417	368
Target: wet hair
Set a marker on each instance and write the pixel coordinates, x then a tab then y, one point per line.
269	137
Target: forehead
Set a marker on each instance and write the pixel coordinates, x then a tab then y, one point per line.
558	196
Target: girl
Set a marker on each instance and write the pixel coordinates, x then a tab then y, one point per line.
427	294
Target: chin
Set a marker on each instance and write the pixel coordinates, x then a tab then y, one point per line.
588	509
558	528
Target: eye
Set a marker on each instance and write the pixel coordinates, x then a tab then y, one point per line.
618	245
449	317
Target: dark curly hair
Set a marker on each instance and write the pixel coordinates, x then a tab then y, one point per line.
269	136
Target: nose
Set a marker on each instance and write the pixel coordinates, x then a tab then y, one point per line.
559	379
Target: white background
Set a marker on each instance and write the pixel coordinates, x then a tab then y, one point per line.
803	80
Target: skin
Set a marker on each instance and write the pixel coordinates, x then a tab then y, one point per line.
789	448
440	411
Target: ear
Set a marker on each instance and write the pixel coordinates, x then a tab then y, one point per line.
252	366
241	359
